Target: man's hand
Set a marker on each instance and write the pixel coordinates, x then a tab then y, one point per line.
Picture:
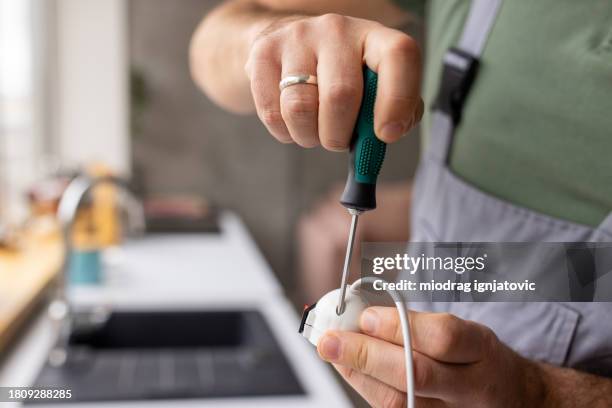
457	363
247	45
224	40
334	48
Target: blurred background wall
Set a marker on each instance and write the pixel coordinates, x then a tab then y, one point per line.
183	144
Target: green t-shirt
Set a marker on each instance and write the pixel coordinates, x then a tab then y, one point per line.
537	126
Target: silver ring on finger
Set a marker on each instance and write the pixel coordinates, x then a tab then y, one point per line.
290	80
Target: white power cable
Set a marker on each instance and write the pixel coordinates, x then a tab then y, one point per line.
403	316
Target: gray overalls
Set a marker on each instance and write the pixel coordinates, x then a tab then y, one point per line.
447	209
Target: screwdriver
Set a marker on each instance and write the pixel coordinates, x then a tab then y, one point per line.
366	157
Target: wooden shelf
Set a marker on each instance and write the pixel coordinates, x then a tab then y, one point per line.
24	277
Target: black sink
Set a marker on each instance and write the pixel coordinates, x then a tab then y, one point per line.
174	355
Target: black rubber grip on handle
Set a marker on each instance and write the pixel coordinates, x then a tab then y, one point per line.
367	153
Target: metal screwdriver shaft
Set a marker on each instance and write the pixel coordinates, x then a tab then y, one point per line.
347	259
365	160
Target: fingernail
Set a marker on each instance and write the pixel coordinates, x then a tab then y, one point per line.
329	347
369	321
393	130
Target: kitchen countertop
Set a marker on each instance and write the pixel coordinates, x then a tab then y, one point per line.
25	273
194	271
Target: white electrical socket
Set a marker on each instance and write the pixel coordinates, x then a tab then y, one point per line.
322	316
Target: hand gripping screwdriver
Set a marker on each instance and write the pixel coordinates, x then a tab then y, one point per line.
366	157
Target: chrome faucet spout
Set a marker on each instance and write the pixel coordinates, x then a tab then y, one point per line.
60	310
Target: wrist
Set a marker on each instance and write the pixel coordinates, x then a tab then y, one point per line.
536	385
552	384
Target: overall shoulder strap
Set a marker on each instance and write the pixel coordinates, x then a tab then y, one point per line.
458	74
478	26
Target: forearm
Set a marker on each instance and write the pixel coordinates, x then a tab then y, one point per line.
568	388
219	50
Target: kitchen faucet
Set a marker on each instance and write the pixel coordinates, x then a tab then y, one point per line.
59	309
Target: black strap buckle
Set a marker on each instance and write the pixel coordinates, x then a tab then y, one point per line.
458	75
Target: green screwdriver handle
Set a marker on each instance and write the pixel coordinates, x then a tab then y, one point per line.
367	152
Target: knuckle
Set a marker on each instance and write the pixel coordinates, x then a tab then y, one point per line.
300	106
349	373
334	22
271	117
341	95
448	333
397	331
261	58
489	339
362	358
263	48
389	323
402	45
334	144
450	324
393	399
423	375
306	142
298	29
